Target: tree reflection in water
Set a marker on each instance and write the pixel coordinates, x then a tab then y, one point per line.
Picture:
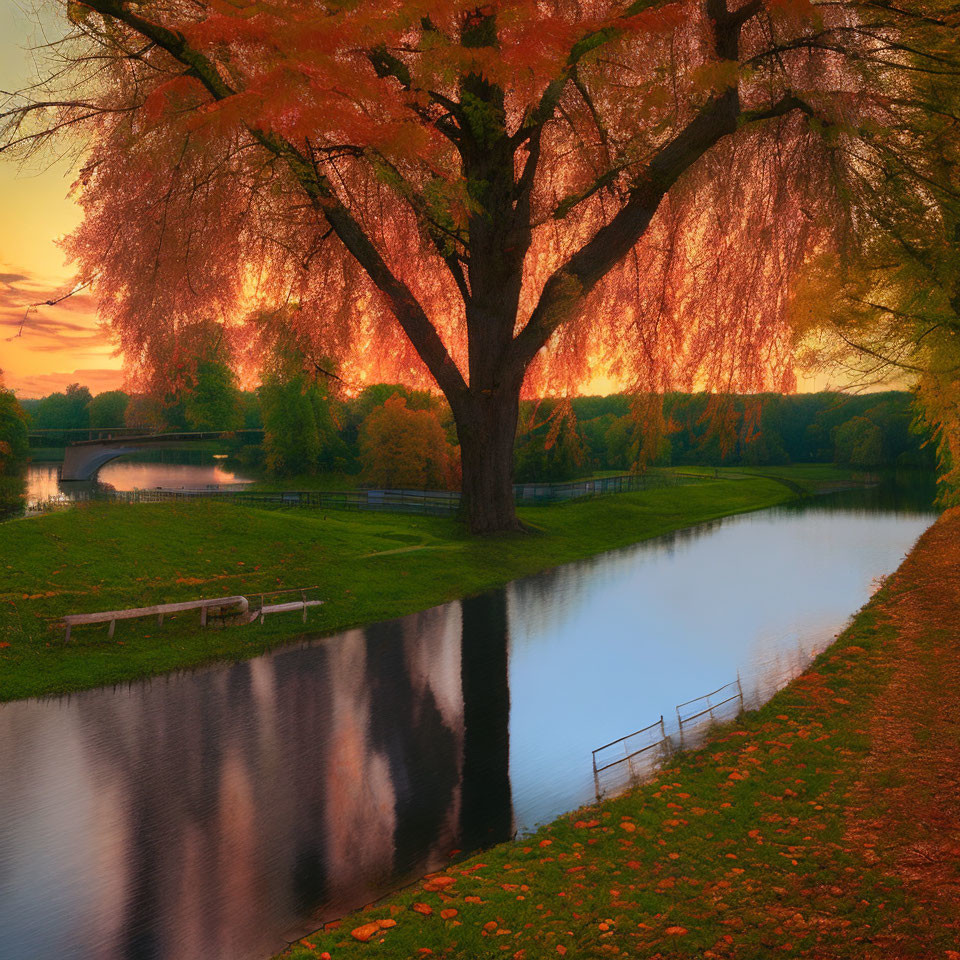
213	813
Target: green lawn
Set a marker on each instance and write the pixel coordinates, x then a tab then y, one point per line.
369	566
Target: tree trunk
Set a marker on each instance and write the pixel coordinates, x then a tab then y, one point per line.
487	426
486	803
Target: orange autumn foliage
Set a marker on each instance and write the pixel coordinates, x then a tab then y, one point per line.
405	449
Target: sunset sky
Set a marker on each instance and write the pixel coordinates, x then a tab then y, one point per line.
62	344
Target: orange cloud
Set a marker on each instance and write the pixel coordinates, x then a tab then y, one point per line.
36	343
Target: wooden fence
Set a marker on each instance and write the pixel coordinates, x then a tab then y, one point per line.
430	502
238	609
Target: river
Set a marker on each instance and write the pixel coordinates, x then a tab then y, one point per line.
218	812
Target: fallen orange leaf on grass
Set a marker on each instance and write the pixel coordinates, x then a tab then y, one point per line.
364	933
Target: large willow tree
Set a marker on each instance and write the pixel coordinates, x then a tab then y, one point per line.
498	197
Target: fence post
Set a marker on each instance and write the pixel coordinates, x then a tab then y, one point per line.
740	688
596	775
666	747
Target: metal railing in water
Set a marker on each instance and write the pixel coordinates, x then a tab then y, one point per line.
726	697
645	748
629	755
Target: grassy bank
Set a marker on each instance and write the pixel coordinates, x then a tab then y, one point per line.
823	825
370	566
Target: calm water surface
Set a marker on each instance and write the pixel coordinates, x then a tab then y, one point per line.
212	814
43	481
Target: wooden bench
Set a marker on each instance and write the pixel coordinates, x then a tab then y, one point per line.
291	605
159	611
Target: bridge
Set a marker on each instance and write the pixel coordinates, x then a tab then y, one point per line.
84	457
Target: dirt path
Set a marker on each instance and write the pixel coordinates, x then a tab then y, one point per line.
905	809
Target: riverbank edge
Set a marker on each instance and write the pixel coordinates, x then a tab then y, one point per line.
752	844
34	662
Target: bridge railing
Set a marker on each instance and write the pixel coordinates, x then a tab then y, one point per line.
76	436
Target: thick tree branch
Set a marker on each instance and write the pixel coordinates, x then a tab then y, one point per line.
566	288
781	108
570	283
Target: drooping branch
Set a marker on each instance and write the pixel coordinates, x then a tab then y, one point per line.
408	311
544	110
656	91
440	236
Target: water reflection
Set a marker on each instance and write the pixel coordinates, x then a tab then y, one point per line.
209	814
213	813
176	470
605	647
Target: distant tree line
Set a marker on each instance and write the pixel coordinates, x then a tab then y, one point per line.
13	432
393	436
14	449
559	440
